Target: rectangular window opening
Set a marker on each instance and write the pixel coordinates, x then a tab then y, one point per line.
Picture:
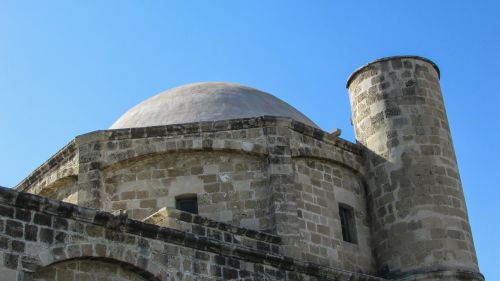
348	224
187	203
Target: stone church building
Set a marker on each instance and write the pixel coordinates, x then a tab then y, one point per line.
218	181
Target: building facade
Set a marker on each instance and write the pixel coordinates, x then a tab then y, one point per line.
217	181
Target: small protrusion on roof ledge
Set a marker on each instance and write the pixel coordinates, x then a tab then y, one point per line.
335	133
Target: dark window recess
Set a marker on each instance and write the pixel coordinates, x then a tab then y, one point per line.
348	224
187	204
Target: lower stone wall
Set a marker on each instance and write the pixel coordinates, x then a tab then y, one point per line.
39	235
190	223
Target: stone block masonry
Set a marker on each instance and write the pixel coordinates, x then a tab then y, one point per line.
45	239
418	213
243	172
275	197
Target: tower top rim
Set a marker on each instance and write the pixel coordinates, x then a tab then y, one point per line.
359	69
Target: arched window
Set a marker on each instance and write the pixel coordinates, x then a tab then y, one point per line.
87	269
187	203
348	223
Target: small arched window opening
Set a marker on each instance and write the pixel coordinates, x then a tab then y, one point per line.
187	203
348	223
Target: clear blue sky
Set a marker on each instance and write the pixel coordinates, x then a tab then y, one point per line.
69	67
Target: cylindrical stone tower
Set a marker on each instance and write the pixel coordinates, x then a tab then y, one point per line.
419	218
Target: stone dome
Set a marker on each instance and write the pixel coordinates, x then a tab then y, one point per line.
210	101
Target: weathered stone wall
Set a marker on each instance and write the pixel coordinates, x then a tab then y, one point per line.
103	150
269	190
288	140
231	187
241	170
419	218
321	186
39	235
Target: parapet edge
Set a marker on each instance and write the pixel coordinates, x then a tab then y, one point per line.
358	70
66	152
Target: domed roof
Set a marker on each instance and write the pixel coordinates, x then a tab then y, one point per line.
211	101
